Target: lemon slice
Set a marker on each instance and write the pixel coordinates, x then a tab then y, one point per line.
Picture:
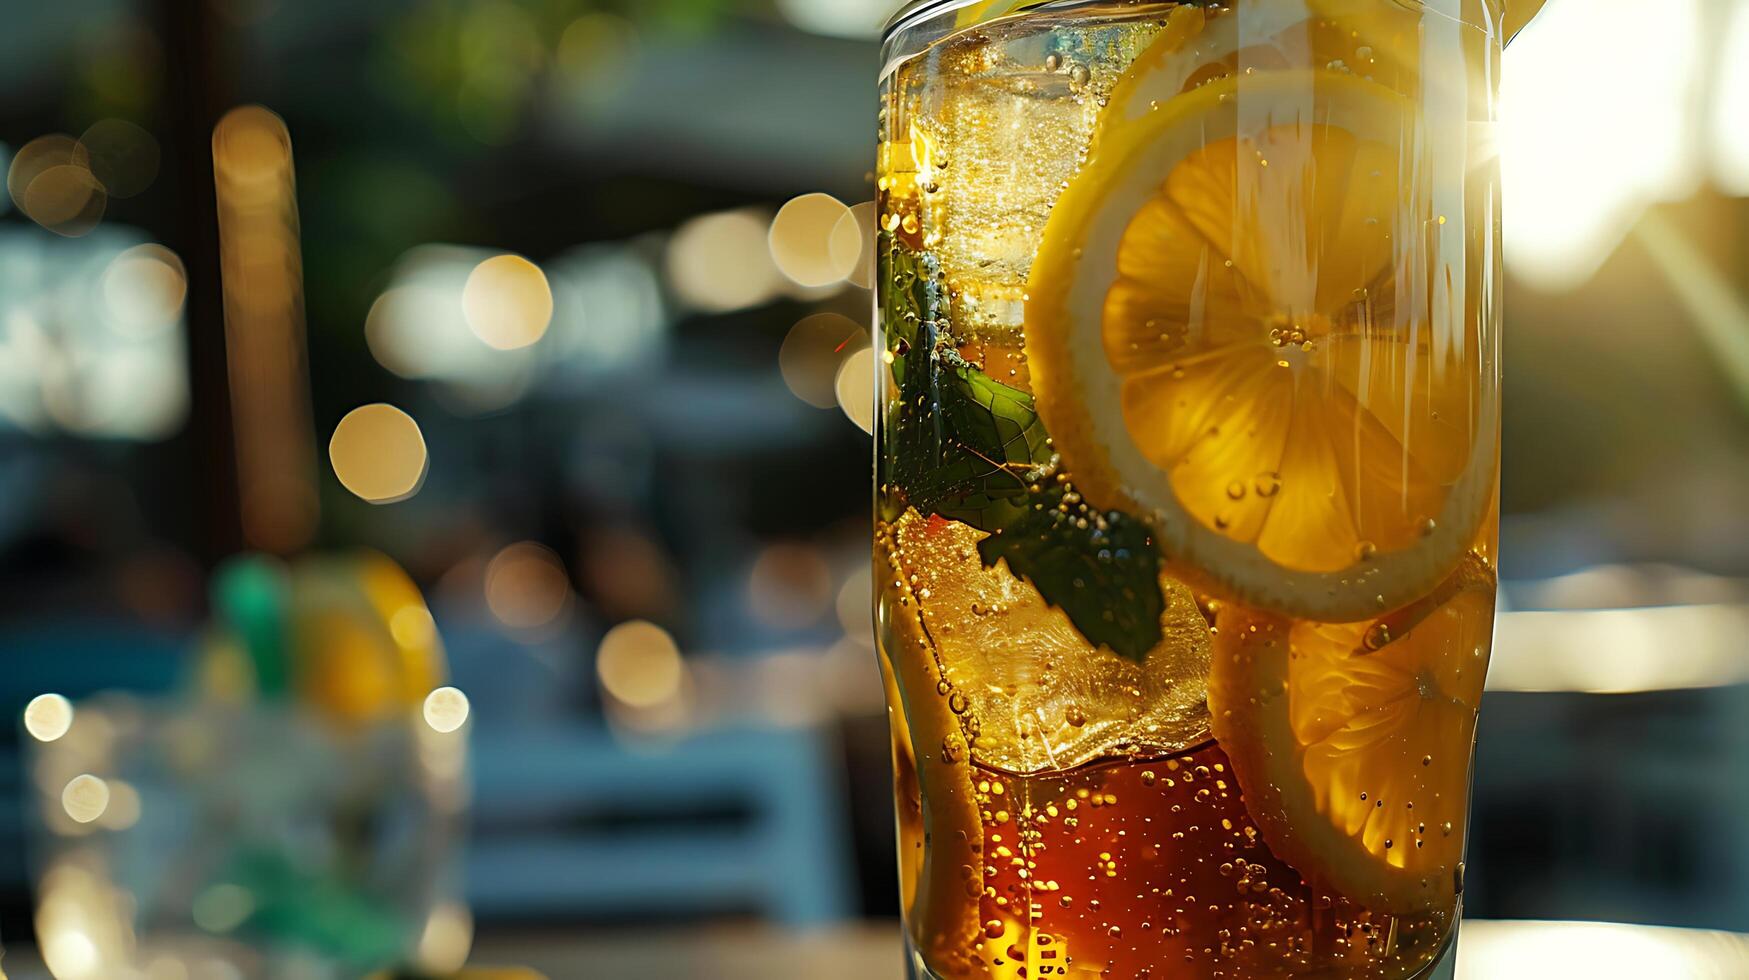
1248	322
1352	743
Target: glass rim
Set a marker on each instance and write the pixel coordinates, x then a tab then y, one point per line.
916	10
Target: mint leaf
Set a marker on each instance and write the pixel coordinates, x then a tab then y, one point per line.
968	447
1102	569
972	449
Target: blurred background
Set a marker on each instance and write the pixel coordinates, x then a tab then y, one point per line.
555	313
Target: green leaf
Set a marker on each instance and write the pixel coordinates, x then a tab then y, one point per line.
972	449
1101	569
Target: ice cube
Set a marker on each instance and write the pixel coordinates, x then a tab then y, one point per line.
1033	694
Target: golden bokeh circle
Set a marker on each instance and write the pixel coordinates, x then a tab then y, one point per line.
812	353
527	587
66	199
446	710
508	302
639	664
800	240
85	798
855	388
48	717
34	157
144	288
379	454
721	262
852	245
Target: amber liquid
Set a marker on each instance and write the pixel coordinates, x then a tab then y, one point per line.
1116	863
1148	869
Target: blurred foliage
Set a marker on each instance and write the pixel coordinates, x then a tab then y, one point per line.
473	65
120	69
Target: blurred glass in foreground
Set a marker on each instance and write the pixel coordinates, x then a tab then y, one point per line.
293	814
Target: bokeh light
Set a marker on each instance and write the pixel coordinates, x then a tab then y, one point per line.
48	717
123	156
507	302
223	907
379	454
856	603
1630	128
609	316
261	258
855	388
629	574
789	586
52	186
812	353
34	157
123	810
1731	108
66	199
859	19
447	938
852	245
144	288
527	587
85	798
446	710
639	664
251	156
801	239
1536	950
720	262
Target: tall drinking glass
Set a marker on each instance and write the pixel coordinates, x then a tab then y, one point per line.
1188	454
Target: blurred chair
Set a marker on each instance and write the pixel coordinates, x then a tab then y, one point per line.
578	823
1626	806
